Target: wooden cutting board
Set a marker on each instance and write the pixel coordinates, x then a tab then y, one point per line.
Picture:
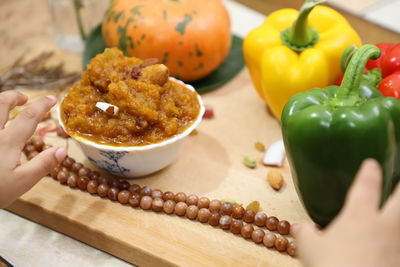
210	164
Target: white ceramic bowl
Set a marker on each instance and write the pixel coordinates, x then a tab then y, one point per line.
136	161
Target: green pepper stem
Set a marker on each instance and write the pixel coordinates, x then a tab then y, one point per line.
348	93
300	33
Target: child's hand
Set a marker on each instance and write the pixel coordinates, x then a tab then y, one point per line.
361	235
16	179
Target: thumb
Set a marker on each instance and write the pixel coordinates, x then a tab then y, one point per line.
31	172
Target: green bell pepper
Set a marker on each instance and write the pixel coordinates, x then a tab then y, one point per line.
329	132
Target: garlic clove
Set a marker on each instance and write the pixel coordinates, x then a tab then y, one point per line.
107	108
275	154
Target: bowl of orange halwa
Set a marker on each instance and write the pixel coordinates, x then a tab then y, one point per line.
128	115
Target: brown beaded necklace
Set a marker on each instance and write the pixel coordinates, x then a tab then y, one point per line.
233	218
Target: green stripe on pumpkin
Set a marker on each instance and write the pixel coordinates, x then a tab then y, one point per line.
136	10
199	53
165	58
181	26
118	16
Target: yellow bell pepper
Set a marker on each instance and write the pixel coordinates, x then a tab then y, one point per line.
294	51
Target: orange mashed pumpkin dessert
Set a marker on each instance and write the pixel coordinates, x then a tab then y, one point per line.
125	101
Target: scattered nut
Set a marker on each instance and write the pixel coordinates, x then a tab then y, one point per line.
155	74
254	206
107	108
275	154
275	179
249	162
259	146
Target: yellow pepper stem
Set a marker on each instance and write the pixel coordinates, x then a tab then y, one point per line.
301	36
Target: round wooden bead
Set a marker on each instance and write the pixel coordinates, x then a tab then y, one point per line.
236	227
283	227
38	144
116	183
225	222
169	206
248	216
84	172
157	204
113	193
281	243
124	196
135	189
103	180
146	191
62	176
180	208
180	197
145	202
76	166
29	148
291	248
260	218
125	185
134	200
215	205
203	202
214	219
237	212
191	212
192	200
72	180
94	175
67	162
271	223
269	240
92	186
156	193
83	182
257	236
226	208
102	190
247	230
55	172
168	196
203	215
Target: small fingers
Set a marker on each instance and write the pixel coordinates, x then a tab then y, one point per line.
24	125
366	189
306	236
27	175
8	101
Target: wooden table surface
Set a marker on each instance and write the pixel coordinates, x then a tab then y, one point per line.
146	238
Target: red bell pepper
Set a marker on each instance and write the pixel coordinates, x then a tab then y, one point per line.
390	85
377	63
389	65
391	61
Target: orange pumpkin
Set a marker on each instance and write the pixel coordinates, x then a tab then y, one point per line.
192	37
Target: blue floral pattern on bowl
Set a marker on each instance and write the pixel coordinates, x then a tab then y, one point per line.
111	164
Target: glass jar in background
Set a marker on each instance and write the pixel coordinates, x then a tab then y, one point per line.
73	20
